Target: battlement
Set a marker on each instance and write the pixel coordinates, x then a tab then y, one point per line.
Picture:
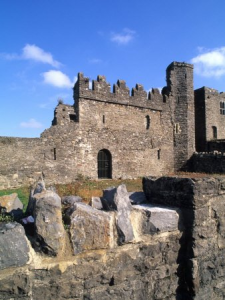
176	64
120	94
209	92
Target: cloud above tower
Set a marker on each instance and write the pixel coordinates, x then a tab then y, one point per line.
57	79
210	63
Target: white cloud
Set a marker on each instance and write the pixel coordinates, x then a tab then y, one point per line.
57	79
210	63
95	61
124	37
32	123
33	52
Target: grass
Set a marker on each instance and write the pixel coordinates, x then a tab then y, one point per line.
93	188
84	188
23	194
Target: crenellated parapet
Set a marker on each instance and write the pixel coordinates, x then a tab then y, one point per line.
100	90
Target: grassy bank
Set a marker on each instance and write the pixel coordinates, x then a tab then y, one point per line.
84	188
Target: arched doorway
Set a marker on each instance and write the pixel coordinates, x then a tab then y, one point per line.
104	164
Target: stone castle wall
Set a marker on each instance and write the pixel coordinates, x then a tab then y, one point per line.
209	114
145	133
20	161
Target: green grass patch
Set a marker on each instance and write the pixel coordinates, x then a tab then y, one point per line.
23	194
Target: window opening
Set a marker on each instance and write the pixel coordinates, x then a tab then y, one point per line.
222	108
72	117
159	153
103	119
147	122
214	128
54	153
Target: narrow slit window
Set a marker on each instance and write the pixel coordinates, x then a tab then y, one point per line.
159	153
214	129
54	153
103	119
148	120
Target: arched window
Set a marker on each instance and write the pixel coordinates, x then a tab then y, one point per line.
214	129
104	164
148	120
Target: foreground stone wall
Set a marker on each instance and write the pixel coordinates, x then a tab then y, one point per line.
176	252
201	255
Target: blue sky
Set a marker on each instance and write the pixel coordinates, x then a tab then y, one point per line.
45	43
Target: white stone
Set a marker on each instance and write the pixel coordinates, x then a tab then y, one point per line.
161	219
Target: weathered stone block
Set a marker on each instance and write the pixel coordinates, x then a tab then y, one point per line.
70	200
96	203
89	228
118	199
49	229
11	202
14	246
158	219
137	197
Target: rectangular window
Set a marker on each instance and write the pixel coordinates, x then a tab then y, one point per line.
222	108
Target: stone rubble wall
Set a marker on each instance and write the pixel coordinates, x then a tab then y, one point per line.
20	161
210	163
201	269
177	251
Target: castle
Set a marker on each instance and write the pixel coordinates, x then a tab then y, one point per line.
120	134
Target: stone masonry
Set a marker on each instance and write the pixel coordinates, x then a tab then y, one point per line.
177	250
119	134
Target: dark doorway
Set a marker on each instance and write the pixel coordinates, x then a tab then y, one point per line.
104	164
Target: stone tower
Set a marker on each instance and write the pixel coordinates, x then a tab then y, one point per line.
180	84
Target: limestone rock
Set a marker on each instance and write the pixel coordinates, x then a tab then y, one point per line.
96	203
158	219
37	188
49	229
14	248
137	197
118	199
70	200
89	228
11	202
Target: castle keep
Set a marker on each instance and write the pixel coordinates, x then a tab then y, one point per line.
119	134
